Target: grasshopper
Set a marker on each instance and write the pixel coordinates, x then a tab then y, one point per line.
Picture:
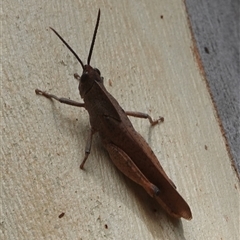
127	148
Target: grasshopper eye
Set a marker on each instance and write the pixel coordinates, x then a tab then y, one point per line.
97	71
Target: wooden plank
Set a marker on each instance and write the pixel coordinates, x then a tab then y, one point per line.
146	52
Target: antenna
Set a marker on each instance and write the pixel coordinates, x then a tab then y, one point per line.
68	47
94	37
92	44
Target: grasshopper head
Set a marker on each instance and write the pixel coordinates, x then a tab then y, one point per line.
89	76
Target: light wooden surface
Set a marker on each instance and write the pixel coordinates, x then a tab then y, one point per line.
151	65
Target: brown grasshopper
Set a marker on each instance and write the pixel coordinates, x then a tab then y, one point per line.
128	150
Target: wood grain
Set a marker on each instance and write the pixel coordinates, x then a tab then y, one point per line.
148	64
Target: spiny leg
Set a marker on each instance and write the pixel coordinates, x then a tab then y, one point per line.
145	115
61	100
88	147
125	164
